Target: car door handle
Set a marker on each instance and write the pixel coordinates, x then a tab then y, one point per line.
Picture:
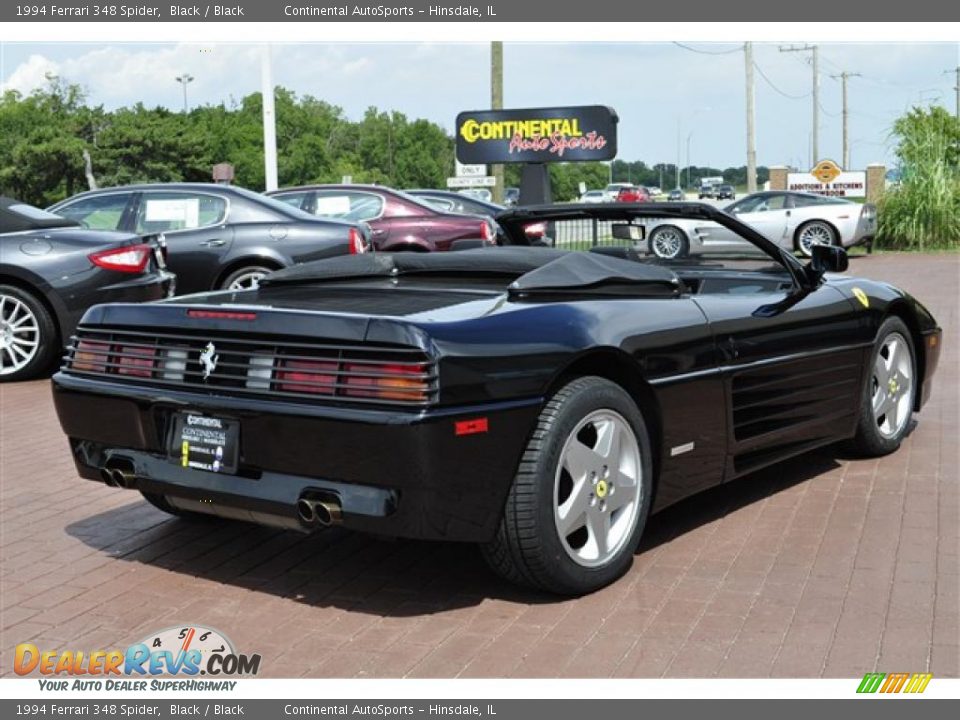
214	243
788	213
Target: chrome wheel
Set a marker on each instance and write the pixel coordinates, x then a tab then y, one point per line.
597	488
19	335
891	393
667	243
815	233
248	279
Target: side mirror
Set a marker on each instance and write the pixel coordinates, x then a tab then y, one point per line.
828	258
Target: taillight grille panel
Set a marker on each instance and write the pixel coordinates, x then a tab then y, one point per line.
325	372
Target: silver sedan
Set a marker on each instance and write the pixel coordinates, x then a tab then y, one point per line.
795	221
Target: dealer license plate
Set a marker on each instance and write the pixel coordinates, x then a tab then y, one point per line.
203	442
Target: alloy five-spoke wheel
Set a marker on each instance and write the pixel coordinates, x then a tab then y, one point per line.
892	385
581	494
597	488
889	393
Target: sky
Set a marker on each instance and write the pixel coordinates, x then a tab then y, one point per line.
667	95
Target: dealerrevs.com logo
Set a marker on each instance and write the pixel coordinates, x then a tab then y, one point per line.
191	651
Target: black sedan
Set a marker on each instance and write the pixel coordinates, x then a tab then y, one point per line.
538	402
219	236
52	271
448	201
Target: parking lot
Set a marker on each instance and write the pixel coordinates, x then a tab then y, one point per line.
826	566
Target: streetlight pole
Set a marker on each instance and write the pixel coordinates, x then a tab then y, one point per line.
689	135
184	80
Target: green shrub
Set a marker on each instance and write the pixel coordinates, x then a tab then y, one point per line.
923	213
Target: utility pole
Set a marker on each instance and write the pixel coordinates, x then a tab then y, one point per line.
956	87
751	130
269	121
846	137
815	51
678	152
496	103
184	80
689	135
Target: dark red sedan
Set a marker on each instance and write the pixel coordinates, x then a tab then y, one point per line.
633	195
397	221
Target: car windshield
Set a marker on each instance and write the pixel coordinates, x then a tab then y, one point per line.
657	234
273	203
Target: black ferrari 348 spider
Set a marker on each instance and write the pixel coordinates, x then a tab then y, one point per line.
536	401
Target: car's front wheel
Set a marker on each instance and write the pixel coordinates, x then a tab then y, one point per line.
581	495
668	242
28	335
886	405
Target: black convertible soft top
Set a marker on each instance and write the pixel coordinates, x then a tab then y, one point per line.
532	270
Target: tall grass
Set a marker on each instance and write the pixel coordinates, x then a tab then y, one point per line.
923	213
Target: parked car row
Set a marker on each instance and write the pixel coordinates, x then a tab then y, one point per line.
145	242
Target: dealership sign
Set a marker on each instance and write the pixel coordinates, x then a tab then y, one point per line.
828	178
537	135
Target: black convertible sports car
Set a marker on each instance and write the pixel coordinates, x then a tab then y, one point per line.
52	271
538	402
218	236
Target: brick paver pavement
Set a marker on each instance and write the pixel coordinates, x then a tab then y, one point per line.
824	566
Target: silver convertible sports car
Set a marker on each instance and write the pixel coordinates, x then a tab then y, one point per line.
792	220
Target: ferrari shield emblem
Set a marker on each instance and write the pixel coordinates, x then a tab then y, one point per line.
862	297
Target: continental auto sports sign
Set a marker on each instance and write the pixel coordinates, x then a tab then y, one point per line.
537	135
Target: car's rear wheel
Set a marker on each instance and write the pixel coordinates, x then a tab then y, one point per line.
245	278
815	232
668	242
581	495
28	335
886	405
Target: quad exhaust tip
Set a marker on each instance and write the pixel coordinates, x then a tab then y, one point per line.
322	513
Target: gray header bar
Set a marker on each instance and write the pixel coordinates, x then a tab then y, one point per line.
540	11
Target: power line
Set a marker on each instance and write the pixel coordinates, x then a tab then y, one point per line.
770	83
708	52
814	50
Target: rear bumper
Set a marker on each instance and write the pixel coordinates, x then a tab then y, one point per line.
395	473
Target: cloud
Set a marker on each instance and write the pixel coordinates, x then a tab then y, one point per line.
31	74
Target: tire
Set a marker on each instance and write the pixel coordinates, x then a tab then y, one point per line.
245	278
160	502
29	341
889	393
668	242
813	232
529	548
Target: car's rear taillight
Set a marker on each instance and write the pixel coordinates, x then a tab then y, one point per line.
387	381
91	356
357	243
535	230
135	361
486	232
129	259
307	376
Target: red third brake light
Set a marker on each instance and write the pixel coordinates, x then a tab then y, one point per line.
128	259
357	243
